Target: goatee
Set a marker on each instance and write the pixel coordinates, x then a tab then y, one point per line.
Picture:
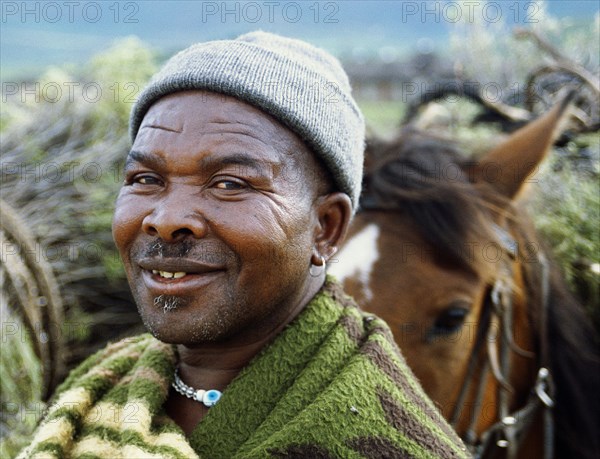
168	302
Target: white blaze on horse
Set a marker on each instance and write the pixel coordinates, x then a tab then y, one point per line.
441	250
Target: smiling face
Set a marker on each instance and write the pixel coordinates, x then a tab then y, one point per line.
217	220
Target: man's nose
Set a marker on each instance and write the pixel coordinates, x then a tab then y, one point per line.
172	221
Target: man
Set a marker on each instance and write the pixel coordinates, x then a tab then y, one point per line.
244	173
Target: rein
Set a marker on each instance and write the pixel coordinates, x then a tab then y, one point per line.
495	327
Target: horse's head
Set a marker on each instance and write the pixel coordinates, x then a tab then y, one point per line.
436	239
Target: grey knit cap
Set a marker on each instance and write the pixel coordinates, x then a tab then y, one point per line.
302	86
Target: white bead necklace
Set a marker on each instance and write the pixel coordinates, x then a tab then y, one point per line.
207	397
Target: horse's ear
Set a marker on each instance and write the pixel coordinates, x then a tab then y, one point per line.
373	148
507	166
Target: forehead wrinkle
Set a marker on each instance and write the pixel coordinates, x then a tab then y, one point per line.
163	128
231	129
161	117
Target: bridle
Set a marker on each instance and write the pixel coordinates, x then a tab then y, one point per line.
495	327
495	335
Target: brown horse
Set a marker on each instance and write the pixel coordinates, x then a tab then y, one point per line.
441	251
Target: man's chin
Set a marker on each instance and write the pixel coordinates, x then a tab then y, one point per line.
190	332
183	320
157	315
166	330
172	335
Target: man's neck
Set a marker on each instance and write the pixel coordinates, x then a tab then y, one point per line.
215	365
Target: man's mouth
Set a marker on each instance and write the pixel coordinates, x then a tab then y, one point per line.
169	275
176	268
177	276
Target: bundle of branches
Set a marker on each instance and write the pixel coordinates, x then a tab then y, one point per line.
545	82
63	142
545	85
61	170
29	280
62	156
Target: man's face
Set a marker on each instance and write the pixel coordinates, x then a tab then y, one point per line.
215	221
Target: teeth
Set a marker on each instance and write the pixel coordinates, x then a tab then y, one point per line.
169	275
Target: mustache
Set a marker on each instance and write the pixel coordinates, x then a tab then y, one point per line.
173	250
205	252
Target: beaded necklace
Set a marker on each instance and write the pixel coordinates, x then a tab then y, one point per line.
207	397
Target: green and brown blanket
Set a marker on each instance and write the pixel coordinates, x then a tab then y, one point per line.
333	384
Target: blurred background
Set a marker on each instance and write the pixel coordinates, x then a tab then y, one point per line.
70	71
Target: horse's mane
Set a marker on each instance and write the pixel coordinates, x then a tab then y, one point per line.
573	349
427	178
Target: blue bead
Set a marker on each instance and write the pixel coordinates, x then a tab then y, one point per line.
211	397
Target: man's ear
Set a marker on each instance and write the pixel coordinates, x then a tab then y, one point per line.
334	212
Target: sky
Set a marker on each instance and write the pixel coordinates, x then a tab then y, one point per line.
36	34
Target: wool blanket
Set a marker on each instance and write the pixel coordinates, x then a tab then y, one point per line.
332	385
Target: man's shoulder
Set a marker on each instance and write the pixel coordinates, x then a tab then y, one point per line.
385	410
111	349
125	350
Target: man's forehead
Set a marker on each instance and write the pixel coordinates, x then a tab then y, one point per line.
160	117
192	112
201	106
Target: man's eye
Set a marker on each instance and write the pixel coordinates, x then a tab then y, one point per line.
146	180
229	185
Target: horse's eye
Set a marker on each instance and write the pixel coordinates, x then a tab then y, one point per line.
449	321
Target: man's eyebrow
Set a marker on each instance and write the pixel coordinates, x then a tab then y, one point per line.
236	159
147	159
